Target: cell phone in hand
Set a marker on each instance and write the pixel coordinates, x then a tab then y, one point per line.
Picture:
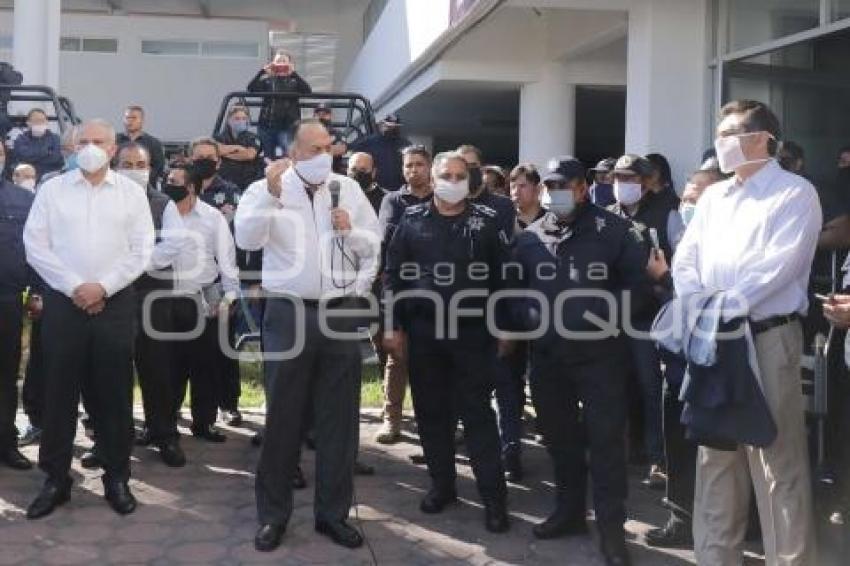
653	236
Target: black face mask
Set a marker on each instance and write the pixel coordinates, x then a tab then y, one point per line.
476	178
175	192
363	178
204	168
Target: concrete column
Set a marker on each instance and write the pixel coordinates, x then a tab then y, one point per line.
668	98
547	116
36	41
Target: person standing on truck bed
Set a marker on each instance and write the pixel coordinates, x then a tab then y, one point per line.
278	115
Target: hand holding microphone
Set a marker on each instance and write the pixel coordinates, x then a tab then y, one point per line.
340	219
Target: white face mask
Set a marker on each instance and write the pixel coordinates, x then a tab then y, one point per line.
92	158
562	203
451	191
140	176
38	130
627	194
28	184
730	155
316	169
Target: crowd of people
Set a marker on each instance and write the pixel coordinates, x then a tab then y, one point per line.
557	276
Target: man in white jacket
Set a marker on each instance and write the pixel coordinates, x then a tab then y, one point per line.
320	242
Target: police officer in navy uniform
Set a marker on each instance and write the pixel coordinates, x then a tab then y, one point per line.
479	193
15	276
440	248
656	215
577	246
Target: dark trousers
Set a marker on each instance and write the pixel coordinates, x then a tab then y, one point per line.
681	454
195	362
32	394
11	327
274	138
96	349
230	383
451	379
647	368
600	386
324	374
154	366
510	398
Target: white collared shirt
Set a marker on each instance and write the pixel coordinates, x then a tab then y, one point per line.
207	252
77	233
755	239
171	238
300	251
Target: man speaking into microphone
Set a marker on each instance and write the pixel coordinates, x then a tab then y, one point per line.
320	242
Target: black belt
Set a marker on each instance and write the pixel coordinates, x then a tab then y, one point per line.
770	323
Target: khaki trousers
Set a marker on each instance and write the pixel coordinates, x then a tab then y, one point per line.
395	387
779	473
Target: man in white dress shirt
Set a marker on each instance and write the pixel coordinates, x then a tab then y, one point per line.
312	252
753	236
153	355
205	285
89	236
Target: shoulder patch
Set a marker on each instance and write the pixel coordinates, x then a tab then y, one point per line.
483	209
416	209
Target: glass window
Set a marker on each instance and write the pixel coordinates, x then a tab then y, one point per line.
230	49
758	21
100	45
70	44
805	85
842	9
163	47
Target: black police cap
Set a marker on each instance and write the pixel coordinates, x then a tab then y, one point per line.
564	169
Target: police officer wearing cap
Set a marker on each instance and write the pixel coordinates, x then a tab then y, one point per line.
656	215
443	248
580	248
385	148
602	189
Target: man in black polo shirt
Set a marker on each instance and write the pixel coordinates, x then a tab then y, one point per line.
134	122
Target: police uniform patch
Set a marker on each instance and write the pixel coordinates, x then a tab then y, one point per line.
484	209
600	224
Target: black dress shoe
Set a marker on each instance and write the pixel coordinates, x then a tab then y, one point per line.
560	524
172	454
268	537
90	460
298	480
675	534
51	496
341	533
513	468
496	517
13	458
233	418
257	439
361	469
119	497
208	433
614	551
436	500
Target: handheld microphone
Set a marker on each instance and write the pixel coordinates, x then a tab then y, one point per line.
333	187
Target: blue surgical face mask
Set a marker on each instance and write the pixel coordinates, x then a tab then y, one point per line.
71	162
687	211
238	126
562	203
